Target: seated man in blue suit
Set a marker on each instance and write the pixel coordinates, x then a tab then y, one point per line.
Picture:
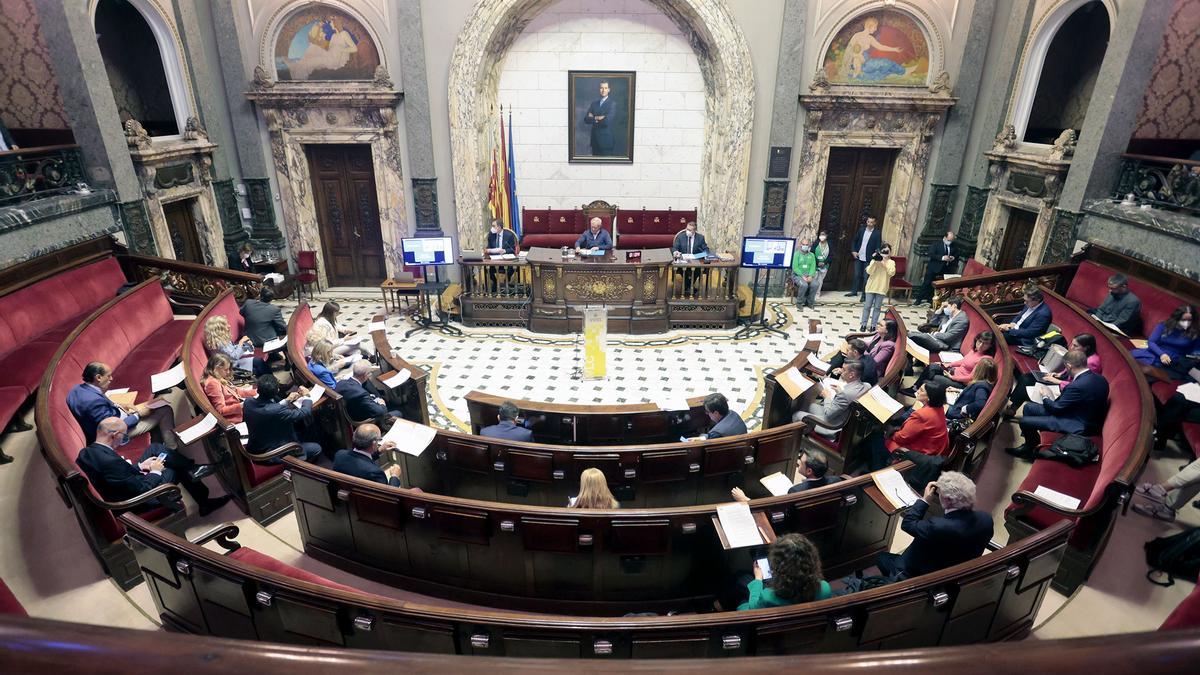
361	460
361	402
725	421
595	238
1079	409
90	404
271	419
117	479
960	534
1033	321
510	427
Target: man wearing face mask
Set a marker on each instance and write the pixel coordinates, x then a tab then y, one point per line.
943	259
361	461
1121	307
500	240
822	252
118	479
804	273
952	323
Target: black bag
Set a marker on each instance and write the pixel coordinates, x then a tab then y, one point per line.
1073	449
1176	556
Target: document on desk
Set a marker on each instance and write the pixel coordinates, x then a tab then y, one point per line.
122	397
275	345
948	277
243	430
1190	391
949	357
167	379
395	379
1038	393
917	351
672	403
894	488
777	483
879	404
793	382
739	526
1110	326
817	363
410	438
377	325
314	395
197	430
1057	498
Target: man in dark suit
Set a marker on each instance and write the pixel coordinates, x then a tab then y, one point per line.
812	466
264	321
725	421
241	262
595	238
500	240
89	404
866	243
1033	321
510	426
857	351
943	259
361	403
601	117
271	419
1079	409
361	460
117	479
959	535
689	242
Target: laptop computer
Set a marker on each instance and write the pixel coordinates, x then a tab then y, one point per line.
470	255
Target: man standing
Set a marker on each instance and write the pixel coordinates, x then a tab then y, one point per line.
601	117
691	243
943	259
264	321
594	238
822	252
510	425
360	461
1121	307
804	273
1079	409
1032	322
866	243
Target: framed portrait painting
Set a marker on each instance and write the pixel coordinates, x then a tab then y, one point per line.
600	110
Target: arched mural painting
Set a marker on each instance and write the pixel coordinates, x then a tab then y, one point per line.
884	47
323	43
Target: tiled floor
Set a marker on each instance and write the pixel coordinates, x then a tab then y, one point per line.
46	562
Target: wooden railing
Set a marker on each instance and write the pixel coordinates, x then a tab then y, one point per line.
191	280
1006	287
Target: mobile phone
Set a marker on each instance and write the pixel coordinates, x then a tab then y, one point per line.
764	566
162	456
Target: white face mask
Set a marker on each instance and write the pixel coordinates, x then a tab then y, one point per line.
1184	325
822	237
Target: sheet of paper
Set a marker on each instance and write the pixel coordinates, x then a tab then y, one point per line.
777	483
948	277
739	526
917	351
275	345
672	402
949	357
376	325
243	429
817	363
880	404
353	358
505	256
314	395
1057	498
396	379
793	382
409	437
952	395
1139	344
113	392
1034	393
1112	327
894	488
1194	373
1190	391
198	429
832	383
123	398
166	379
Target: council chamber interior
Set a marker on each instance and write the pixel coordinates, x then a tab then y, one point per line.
438	335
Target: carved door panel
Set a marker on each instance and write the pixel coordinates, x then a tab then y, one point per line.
856	186
182	227
1016	239
347	214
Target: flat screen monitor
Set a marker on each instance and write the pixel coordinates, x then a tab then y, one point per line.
427	251
772	252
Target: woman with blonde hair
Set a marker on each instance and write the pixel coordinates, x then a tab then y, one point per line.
221	392
321	362
218	339
594	492
972	399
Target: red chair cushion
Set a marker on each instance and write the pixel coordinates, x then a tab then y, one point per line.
1164	390
252	557
261	473
645	240
1191	433
535	221
975	268
24	367
11	399
306	277
548	240
9	603
564	221
629	222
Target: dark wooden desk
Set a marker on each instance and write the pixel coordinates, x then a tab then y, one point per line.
283	289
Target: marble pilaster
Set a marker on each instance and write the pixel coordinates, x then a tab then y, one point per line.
418	131
232	232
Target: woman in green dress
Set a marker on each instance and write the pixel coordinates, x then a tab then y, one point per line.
795	575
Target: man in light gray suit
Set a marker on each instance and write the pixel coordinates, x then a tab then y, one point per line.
953	328
831	413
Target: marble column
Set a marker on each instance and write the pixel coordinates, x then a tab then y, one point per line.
247	141
417	128
785	111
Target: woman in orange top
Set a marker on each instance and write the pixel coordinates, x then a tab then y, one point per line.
225	397
923	431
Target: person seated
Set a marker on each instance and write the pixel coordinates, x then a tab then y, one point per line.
323	364
271	419
264	321
958	373
688	241
856	351
362	400
594	239
593	492
962	533
1121	307
923	430
1079	409
218	339
117	479
1163	505
325	327
971	401
725	421
815	469
952	323
1085	342
879	347
222	394
1172	342
500	240
89	404
361	461
830	413
509	425
1170	416
242	262
1030	323
795	575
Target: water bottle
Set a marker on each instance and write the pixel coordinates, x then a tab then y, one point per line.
564	251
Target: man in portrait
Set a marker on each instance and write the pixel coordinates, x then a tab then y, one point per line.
601	116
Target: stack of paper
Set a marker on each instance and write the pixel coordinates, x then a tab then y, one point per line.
1112	327
1057	498
276	344
1038	393
739	526
793	382
198	429
1190	391
817	364
396	379
376	325
949	357
893	487
409	437
777	483
880	404
917	351
166	379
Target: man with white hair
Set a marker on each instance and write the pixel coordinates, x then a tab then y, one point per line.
363	403
361	461
960	534
595	238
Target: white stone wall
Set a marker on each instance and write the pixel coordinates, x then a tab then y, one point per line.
668	117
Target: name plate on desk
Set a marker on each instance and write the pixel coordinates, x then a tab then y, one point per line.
633	256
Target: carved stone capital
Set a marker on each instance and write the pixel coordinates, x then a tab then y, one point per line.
940	84
1064	145
1006	139
819	82
194	131
262	79
135	135
382	79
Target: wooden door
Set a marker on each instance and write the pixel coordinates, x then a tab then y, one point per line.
856	186
347	214
182	227
1016	239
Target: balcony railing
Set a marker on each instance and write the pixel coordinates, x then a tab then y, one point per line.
34	173
1163	182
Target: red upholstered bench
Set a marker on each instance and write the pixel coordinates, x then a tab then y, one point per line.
975	268
651	228
550	228
1090	285
1191	433
263	561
